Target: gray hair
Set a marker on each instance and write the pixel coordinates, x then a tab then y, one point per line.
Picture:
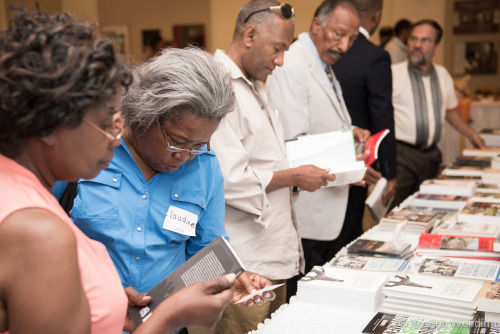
258	20
325	11
177	81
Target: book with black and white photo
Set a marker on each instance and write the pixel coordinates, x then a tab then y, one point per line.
480	212
439	201
488	196
415	219
429	296
392	323
334	150
368	263
367	247
448	187
488	299
212	261
478	270
359	290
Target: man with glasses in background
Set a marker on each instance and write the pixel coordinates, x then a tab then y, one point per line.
163	173
423	96
309	99
251	150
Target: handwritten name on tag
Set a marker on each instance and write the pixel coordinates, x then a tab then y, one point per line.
180	221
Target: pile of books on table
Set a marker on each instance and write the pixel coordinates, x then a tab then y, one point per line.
434	297
352	289
488	302
461	269
413	219
378	248
368	263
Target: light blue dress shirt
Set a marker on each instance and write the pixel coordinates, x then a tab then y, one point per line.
126	213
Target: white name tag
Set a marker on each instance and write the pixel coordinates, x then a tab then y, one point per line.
180	221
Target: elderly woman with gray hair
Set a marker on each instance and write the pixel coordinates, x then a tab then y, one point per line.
164	173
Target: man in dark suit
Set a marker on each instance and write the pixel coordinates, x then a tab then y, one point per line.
365	76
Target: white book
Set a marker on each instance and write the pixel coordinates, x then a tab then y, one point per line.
463	171
446	267
491	175
481	152
432	289
374	201
439	201
479	229
334	150
448	187
488	196
489	297
368	263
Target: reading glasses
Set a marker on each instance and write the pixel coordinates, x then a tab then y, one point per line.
175	149
286	11
114	135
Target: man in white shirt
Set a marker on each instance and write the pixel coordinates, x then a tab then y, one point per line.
397	45
250	146
423	97
309	99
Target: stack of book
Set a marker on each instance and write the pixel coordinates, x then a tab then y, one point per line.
455	170
488	301
439	201
475	270
491	175
491	137
377	248
415	220
458	246
478	161
486	195
481	152
427	296
480	212
368	263
343	288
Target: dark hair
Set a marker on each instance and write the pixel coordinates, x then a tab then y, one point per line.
385	31
435	25
327	7
52	68
401	25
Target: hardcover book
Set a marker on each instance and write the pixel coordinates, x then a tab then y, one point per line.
212	261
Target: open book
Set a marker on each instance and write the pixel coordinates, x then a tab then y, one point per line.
212	261
372	145
334	150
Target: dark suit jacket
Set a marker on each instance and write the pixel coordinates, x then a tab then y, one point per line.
364	73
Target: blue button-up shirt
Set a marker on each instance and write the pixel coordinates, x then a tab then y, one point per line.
126	213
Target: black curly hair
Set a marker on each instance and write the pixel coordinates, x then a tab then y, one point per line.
52	68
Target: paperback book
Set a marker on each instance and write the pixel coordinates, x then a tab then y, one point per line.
449	227
481	152
334	150
372	145
463	171
440	201
374	201
415	220
389	323
489	297
491	175
448	187
480	212
369	247
214	260
446	267
486	196
457	246
477	161
368	263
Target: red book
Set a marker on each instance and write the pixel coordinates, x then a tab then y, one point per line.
372	145
457	246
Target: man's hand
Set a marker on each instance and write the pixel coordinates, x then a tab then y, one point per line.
249	281
360	135
312	178
371	175
476	140
390	192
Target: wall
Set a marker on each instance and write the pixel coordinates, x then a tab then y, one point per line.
152	14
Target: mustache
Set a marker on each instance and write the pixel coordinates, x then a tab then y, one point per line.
337	52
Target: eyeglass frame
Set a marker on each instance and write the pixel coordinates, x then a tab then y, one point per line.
115	139
174	149
280	7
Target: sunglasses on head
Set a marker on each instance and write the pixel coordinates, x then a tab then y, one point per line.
286	11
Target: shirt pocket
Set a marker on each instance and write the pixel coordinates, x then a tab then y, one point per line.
188	199
99	197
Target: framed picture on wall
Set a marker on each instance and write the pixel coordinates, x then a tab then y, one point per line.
185	35
476	58
476	16
119	36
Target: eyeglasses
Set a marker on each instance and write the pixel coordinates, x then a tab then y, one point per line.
177	149
115	135
286	11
